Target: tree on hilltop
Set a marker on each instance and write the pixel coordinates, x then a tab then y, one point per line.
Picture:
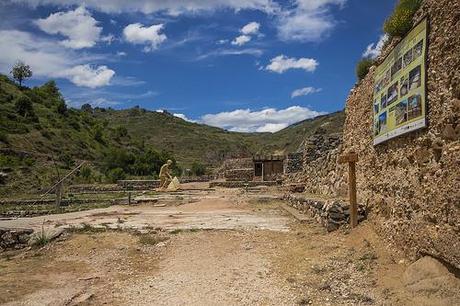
21	71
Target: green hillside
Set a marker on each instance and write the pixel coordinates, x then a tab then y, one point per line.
41	139
191	142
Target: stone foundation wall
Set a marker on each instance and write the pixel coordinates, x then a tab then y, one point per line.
229	165
242	184
14	238
246	174
330	213
411	184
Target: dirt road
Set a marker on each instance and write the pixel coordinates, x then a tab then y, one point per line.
225	250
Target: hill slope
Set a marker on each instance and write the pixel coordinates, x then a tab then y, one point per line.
41	139
191	142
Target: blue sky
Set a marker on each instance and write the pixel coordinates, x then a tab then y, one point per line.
244	65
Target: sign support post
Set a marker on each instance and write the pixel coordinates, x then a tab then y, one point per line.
351	159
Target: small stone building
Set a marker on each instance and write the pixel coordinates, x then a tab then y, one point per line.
268	167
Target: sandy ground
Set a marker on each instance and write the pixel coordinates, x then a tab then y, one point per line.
225	249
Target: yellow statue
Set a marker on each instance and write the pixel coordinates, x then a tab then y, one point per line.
165	174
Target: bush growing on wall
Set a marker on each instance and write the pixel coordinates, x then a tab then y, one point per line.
362	68
400	21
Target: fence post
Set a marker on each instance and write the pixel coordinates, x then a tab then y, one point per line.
58	192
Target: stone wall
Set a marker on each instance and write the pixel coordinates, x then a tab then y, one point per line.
330	213
411	184
321	174
238	163
226	171
246	174
242	184
293	163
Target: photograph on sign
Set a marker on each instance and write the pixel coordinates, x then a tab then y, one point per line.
399	103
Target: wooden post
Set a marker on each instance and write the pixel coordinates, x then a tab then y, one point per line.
351	158
58	192
263	170
129	198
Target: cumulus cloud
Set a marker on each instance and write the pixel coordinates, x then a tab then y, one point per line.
78	26
152	37
183	117
373	50
172	7
251	28
247	32
272	127
241	40
308	20
300	20
51	60
282	63
266	120
85	75
304	91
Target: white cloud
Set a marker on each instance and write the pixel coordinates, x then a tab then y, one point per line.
121	53
137	33
270	119
241	40
251	28
225	52
301	20
99	102
103	97
272	127
51	60
304	91
309	20
183	117
172	7
109	39
282	63
247	32
78	26
85	75
373	50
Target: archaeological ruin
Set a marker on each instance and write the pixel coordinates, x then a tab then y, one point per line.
410	184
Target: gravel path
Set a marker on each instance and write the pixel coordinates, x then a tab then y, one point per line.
211	268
